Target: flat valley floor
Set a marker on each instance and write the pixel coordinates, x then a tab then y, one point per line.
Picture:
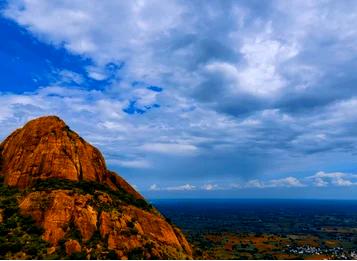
266	229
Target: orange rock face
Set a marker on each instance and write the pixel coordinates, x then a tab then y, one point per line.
56	210
59	212
47	148
87	221
72	246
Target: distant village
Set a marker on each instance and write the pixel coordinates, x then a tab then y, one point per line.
336	252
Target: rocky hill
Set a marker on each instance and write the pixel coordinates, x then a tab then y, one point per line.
58	200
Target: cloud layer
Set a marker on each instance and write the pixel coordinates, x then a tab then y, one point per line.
210	94
320	179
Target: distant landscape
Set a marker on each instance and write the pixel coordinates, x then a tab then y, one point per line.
266	229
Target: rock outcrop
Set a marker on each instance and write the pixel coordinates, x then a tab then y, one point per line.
47	148
83	208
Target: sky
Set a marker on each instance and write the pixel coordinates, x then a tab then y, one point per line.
194	98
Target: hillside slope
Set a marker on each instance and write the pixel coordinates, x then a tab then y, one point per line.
58	200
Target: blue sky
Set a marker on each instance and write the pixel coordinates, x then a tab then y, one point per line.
194	98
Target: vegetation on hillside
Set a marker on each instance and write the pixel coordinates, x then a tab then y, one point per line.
119	196
20	237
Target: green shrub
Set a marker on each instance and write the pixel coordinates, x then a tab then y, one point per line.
94	240
10	224
136	254
17	232
9	211
78	256
33	249
13	247
112	255
3	230
34	230
6	191
130	224
74	232
133	231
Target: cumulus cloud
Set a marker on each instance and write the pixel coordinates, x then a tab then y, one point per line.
263	56
284	182
323	179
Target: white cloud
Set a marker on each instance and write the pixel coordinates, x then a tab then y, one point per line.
170	148
323	179
284	182
210	187
96	73
259	75
182	187
67	77
141	164
186	187
263	56
343	182
107	32
320	179
319	182
154	187
254	183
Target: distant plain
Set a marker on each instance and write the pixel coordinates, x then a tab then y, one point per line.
266	228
